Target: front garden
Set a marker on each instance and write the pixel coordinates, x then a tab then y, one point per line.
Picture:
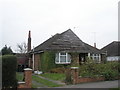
41	82
108	70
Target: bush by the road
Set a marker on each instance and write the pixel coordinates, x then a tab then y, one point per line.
9	64
109	70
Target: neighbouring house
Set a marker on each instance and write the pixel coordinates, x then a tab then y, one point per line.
112	51
22	61
62	50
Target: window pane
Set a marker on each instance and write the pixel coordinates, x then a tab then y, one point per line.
62	58
62	53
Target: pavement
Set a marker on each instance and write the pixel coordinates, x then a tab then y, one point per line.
103	84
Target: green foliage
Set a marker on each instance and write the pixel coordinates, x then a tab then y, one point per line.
6	50
9	64
58	70
68	78
109	70
47	61
19	76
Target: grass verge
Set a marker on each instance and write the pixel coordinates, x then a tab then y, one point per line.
19	76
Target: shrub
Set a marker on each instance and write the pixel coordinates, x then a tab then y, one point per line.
47	61
68	78
110	74
110	70
9	64
58	70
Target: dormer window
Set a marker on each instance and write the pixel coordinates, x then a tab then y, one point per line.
62	58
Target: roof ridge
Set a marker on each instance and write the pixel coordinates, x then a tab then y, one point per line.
110	44
66	31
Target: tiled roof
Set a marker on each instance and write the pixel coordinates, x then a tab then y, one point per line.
67	41
112	49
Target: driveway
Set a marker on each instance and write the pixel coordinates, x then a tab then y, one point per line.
103	84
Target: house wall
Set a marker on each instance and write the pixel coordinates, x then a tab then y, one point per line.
113	58
36	61
46	61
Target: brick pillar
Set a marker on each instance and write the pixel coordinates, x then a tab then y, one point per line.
75	59
28	77
74	74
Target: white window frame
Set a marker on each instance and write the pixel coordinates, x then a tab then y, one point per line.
96	56
60	61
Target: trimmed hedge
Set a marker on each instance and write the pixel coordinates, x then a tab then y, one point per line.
110	70
47	61
9	64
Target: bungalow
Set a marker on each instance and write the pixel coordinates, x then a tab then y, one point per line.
63	49
112	51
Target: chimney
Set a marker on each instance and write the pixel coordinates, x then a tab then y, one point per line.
29	41
95	45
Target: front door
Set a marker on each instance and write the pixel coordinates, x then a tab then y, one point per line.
82	57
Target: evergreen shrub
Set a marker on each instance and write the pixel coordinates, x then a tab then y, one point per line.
109	70
47	61
9	64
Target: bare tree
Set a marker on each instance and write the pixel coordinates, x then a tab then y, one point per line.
22	47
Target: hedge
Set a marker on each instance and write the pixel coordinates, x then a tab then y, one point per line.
47	61
9	64
109	70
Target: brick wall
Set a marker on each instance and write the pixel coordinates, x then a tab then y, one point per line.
36	62
76	79
28	79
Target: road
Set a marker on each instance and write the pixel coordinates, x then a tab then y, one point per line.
103	84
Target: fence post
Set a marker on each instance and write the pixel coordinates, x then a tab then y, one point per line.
74	74
28	77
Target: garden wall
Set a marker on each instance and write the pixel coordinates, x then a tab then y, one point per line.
27	83
75	79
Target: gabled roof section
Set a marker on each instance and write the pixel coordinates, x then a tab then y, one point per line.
112	49
67	41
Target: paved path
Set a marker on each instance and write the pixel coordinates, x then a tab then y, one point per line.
54	81
39	85
103	84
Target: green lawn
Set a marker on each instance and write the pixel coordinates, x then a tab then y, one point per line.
19	76
45	82
54	76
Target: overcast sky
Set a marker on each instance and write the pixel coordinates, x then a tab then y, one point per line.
94	20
